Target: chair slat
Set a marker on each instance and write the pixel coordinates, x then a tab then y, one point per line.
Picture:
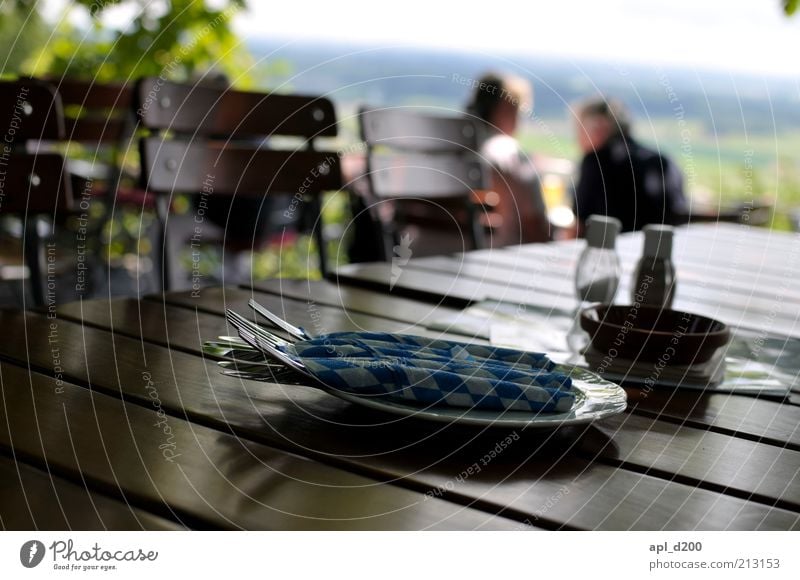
207	167
212	111
30	109
424	176
404	130
95	130
35	184
93	95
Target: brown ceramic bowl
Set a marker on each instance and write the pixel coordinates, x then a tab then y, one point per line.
653	333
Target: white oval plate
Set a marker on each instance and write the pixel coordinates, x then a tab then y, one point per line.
596	399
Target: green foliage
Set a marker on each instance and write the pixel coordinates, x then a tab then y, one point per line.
22	32
175	39
790	6
301	259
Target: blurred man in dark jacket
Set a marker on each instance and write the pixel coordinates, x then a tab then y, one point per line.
619	177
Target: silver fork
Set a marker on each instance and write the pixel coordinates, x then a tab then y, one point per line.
246	352
260	377
265	372
242	322
250	335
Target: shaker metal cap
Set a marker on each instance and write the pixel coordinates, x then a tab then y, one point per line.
601	231
658	241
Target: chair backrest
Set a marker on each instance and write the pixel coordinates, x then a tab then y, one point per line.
410	131
32	182
208	138
96	116
200	130
179	166
218	112
99	119
428	166
424	176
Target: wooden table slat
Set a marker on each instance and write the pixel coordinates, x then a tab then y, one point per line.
354	299
31	499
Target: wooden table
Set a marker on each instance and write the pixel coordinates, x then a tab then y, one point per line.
112	418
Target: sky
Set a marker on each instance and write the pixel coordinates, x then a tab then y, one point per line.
727	35
731	35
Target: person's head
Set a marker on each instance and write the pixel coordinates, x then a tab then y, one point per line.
498	100
598	120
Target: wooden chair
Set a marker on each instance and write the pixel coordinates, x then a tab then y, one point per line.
97	124
32	183
427	169
211	141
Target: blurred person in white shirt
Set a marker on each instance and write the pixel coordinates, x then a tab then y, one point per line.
497	103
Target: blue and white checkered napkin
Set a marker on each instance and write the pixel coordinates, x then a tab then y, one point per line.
372	344
436	372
